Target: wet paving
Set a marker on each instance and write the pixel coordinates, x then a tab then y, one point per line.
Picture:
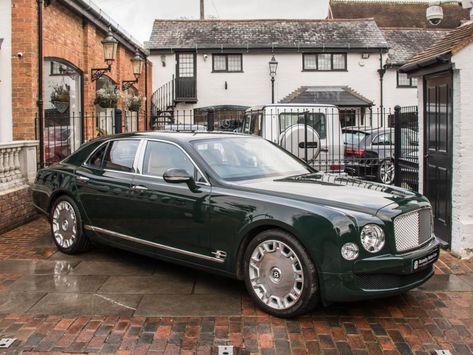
109	300
111	281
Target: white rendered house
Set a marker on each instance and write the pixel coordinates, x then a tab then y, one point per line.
224	63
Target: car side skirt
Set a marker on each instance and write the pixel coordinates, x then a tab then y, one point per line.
152	244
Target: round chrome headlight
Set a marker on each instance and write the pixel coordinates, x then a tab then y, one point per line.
350	251
372	238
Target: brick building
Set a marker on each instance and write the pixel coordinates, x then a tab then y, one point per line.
50	51
72	33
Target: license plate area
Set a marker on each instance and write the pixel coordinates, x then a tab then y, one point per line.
426	260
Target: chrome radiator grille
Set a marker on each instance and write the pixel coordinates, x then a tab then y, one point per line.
412	229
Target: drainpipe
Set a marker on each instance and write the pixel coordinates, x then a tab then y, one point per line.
381	72
146	93
40	83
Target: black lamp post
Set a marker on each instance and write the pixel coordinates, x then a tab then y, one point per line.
273	66
110	45
137	63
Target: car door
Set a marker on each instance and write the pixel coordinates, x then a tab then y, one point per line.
171	215
103	184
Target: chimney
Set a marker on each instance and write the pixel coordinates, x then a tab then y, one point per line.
202	13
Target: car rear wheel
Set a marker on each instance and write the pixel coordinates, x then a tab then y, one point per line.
66	226
279	274
386	172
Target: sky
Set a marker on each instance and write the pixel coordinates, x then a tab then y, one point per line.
137	16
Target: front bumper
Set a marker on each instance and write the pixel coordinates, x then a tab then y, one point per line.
380	276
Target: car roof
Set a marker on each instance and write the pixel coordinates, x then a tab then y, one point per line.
262	107
181	136
368	130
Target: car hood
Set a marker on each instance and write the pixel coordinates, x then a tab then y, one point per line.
334	191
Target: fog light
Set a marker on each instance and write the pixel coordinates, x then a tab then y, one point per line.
372	238
350	251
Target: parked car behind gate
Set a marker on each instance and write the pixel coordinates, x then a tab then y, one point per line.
369	152
310	132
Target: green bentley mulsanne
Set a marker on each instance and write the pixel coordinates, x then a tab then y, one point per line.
242	207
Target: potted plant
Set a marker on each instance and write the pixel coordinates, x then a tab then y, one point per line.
133	102
60	97
107	97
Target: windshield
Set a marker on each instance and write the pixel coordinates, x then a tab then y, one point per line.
353	137
235	159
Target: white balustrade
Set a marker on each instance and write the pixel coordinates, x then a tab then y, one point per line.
17	163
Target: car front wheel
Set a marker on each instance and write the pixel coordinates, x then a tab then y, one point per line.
279	274
66	226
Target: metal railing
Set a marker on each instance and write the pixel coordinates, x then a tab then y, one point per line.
356	142
63	133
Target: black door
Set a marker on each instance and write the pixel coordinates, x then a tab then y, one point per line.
171	214
103	185
186	77
438	116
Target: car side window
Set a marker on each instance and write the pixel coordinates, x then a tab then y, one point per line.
160	156
120	155
383	139
96	159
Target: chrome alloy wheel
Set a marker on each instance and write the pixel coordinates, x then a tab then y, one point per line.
386	172
64	224
276	274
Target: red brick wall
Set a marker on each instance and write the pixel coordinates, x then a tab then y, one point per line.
16	208
69	37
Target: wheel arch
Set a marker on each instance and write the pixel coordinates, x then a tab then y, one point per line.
256	229
58	193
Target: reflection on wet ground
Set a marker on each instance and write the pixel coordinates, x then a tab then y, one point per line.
114	282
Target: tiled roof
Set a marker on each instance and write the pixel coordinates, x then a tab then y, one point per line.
396	13
334	95
225	34
455	41
404	43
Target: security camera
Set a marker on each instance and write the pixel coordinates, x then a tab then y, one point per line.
434	14
19	54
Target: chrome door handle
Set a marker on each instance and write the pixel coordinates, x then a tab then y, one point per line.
139	188
82	178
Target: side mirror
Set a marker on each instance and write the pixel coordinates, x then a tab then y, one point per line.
178	176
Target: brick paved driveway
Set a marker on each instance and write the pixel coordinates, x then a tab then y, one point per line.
113	301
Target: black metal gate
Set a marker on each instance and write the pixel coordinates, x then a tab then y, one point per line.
406	147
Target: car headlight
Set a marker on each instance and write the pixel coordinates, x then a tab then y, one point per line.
372	238
350	251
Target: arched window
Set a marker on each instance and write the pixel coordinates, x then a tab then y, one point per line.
62	109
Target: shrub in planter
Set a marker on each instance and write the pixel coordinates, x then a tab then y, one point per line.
133	103
107	97
60	97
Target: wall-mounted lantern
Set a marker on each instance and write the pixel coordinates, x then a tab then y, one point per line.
137	62
110	45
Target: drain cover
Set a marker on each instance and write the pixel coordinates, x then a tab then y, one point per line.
225	350
5	343
443	352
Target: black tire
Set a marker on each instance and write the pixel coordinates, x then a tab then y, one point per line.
383	164
309	295
81	242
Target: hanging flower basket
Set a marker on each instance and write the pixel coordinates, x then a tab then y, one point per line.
133	103
107	97
61	106
60	97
